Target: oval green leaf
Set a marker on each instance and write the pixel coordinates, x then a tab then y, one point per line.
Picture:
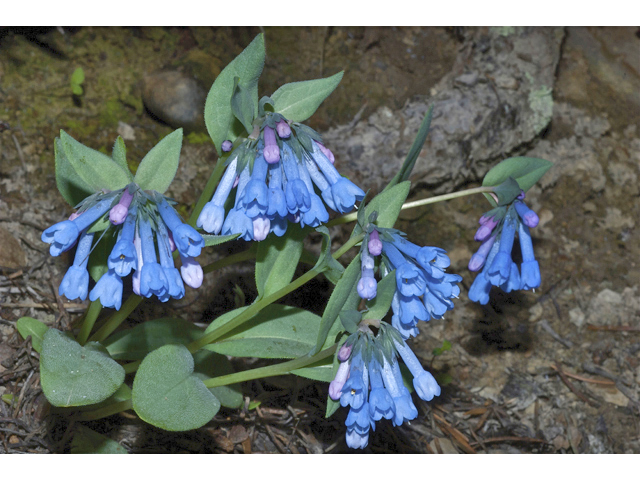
86	440
28	326
72	375
277	259
297	101
525	170
159	166
167	393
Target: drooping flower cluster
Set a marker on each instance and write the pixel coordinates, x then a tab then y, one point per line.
497	234
276	178
369	381
423	289
135	217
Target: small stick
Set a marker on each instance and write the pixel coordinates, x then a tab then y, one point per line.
572	387
547	328
613	328
512	439
584	379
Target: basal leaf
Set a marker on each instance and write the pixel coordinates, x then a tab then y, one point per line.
86	440
297	101
73	375
30	326
137	342
95	169
209	365
278	331
159	166
218	115
168	394
277	259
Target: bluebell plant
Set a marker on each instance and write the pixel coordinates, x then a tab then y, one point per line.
146	227
369	380
497	232
275	172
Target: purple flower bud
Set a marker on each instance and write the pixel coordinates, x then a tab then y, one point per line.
271	151
119	212
345	352
74	215
283	129
227	145
335	387
521	195
478	258
261	226
485	230
374	244
327	153
367	288
529	217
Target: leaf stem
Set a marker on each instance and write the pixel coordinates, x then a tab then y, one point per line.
352	217
89	321
117	318
106	411
271	370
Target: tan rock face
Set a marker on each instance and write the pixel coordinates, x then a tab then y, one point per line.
11	254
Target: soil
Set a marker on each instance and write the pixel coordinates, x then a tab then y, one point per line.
555	370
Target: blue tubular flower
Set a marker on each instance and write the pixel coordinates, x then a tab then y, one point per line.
530	277
237	220
278	225
296	192
404	407
411	310
123	256
211	217
344	192
277	201
335	387
478	259
175	286
153	281
271	150
500	269
321	182
425	385
75	283
481	286
317	214
188	241
255	199
410	280
358	424
191	272
380	402
108	290
356	388
63	235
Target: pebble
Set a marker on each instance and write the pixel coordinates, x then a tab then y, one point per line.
176	99
11	254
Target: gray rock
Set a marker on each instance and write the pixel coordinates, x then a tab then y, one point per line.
176	99
479	118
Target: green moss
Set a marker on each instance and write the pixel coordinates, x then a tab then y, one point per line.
196	138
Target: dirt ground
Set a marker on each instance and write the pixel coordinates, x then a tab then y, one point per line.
551	371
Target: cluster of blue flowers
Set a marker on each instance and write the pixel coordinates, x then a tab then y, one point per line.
423	289
497	234
369	381
135	217
276	176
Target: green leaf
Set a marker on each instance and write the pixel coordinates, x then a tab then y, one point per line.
409	162
321	371
30	326
342	292
159	166
242	105
70	185
446	346
218	114
278	331
277	259
137	342
86	440
350	320
73	375
379	306
97	264
388	204
96	169
297	101
76	89
77	77
331	268
209	365
119	155
211	240
525	170
507	192
167	393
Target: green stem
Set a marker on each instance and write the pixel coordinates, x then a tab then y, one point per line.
207	193
271	370
89	321
352	217
105	411
131	367
230	260
117	318
260	304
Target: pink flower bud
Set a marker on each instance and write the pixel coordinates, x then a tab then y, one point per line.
271	151
283	129
374	244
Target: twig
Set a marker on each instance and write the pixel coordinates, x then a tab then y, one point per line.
614	328
66	306
573	388
511	439
547	328
618	381
584	379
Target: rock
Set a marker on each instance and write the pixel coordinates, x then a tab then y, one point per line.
576	316
473	123
176	99
11	254
535	312
612	308
126	131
